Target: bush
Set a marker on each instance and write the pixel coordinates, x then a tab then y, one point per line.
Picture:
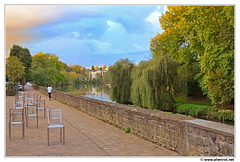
192	109
225	114
11	89
202	110
127	130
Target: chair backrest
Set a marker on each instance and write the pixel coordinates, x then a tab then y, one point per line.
55	116
19	96
30	101
18	104
16	115
31	108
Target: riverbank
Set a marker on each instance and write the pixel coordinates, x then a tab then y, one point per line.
195	107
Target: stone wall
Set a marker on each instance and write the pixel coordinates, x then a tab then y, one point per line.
185	135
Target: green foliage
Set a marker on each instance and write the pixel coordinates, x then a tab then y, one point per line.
201	38
23	55
15	69
40	77
225	114
120	80
127	130
202	110
193	109
11	89
47	69
139	89
153	83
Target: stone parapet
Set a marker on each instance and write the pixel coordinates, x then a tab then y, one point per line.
185	135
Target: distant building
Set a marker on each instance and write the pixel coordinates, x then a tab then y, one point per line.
92	74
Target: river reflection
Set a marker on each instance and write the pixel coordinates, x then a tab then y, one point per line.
96	91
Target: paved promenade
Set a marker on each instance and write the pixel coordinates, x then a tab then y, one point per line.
85	136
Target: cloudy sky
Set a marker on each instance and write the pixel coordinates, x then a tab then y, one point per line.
84	34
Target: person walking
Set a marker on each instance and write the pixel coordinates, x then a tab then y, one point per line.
49	89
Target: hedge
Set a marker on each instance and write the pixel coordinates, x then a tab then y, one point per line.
202	110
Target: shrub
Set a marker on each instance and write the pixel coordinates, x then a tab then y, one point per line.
127	130
202	110
182	108
192	109
226	114
11	89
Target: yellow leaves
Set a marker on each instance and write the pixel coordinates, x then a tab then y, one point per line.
15	69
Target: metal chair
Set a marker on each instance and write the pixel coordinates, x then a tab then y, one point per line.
35	100
41	106
31	110
20	95
30	97
16	117
18	104
55	121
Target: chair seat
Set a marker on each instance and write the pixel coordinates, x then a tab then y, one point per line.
15	123
52	126
19	107
41	108
32	115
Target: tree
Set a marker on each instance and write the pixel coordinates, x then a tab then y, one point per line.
40	77
23	55
153	83
201	38
77	68
48	67
14	69
120	80
92	68
217	61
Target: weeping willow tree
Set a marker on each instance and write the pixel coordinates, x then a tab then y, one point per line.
120	80
153	83
138	89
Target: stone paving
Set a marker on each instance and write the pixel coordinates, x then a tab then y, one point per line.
85	136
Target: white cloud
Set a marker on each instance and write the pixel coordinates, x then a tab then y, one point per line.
119	32
165	9
117	36
153	18
98	47
138	47
75	34
114	27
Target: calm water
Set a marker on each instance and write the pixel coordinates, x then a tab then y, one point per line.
96	91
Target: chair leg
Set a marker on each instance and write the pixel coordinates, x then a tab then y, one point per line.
60	134
44	112
37	115
10	130
37	120
26	121
23	130
64	135
44	109
48	136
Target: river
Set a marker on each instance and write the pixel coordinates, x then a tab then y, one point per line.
96	91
